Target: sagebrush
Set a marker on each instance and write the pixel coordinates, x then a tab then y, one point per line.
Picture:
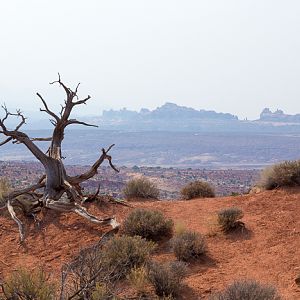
141	188
197	189
96	269
284	174
228	218
28	285
149	224
188	245
101	292
123	253
248	290
167	278
138	278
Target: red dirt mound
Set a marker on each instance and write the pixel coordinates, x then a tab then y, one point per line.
267	250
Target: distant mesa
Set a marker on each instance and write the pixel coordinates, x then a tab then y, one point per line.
278	116
168	111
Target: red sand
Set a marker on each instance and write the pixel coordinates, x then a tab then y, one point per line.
268	250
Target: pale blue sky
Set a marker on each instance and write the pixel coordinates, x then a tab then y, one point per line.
235	56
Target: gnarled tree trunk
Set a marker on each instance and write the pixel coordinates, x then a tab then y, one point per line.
60	191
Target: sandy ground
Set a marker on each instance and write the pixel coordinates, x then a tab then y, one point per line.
267	250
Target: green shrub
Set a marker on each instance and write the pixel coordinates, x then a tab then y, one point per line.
280	175
228	218
149	224
28	285
188	245
141	188
166	278
122	253
197	189
248	290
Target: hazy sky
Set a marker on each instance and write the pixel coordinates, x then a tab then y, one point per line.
232	56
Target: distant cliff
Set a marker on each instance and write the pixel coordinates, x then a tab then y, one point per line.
168	111
278	116
173	117
176	118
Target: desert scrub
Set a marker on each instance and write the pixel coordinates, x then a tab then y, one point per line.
197	189
280	175
96	269
122	253
101	292
166	278
188	245
24	284
149	224
138	278
248	290
4	189
141	188
179	228
228	218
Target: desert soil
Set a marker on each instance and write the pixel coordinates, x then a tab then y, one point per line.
268	249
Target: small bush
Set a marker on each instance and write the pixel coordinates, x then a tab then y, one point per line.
212	225
188	245
4	189
101	292
228	218
149	224
122	253
166	278
280	175
31	285
248	290
138	278
179	228
197	189
141	188
96	269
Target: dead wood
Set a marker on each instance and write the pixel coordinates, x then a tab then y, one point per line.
55	190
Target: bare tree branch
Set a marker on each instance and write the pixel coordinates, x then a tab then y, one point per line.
18	114
83	101
17	220
47	110
67	90
20	136
94	169
6	141
31	188
74	121
48	139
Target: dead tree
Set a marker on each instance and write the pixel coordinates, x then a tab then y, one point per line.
56	189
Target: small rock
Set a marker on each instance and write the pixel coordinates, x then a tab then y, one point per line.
256	190
297	280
